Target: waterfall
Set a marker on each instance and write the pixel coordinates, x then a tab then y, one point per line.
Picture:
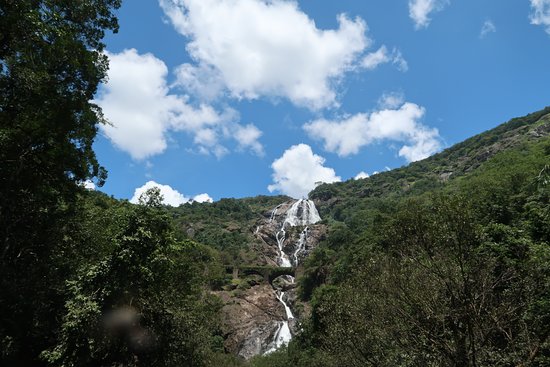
283	334
283	260
302	213
274	213
280	297
300	245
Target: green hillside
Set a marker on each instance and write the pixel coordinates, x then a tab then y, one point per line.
441	263
226	225
434	172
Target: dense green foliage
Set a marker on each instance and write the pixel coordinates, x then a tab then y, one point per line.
84	280
452	276
51	63
226	225
142	283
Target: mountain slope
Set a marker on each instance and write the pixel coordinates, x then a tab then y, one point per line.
230	223
492	182
435	171
425	268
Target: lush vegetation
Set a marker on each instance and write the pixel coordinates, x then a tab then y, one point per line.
445	262
84	280
227	225
452	276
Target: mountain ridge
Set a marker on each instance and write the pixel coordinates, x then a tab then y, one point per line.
455	161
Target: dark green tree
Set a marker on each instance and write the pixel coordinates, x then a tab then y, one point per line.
441	288
140	302
51	63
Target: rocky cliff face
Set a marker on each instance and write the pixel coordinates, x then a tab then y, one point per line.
268	228
260	315
250	319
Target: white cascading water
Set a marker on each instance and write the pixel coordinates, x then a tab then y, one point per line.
274	212
300	246
283	334
308	215
294	217
283	260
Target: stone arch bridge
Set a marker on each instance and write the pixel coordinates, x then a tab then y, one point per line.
269	273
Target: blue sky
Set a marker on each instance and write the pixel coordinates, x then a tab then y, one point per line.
235	98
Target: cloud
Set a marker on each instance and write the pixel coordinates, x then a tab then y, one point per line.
247	137
142	111
361	175
424	142
391	100
399	61
258	48
348	135
383	56
541	13
136	102
372	60
170	196
420	10
488	27
298	171
203	198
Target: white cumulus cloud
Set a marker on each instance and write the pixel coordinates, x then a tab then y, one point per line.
264	48
142	110
423	142
170	196
487	27
383	56
420	10
391	100
203	198
247	137
136	102
299	170
361	175
348	135
541	13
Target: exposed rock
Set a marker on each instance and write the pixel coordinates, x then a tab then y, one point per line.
266	233
283	283
255	342
250	319
252	313
540	131
291	297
